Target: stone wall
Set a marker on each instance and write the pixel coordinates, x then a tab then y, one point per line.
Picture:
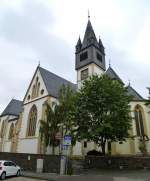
29	161
115	162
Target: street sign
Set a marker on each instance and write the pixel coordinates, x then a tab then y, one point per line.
67	140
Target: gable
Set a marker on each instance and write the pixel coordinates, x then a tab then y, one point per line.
36	89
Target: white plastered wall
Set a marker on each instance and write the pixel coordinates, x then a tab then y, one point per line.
93	69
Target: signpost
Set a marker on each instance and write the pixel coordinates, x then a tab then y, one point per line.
67	140
66	143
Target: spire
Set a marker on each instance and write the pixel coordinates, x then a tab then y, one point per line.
78	45
101	45
79	42
89	36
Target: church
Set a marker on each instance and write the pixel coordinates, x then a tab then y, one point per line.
20	120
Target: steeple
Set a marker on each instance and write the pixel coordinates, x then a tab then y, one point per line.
90	51
89	36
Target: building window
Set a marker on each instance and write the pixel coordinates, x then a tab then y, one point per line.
139	121
99	57
2	130
33	92
32	120
42	91
85	144
11	131
84	74
83	56
36	89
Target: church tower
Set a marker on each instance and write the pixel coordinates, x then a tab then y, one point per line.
90	55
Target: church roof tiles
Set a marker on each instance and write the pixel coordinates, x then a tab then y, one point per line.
13	108
112	74
136	95
53	82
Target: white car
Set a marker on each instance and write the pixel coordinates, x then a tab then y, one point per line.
8	168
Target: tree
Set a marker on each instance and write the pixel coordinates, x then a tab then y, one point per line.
50	126
102	111
67	108
59	118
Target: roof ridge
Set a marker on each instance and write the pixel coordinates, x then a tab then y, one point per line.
115	74
129	86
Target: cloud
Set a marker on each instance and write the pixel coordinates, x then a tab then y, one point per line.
47	31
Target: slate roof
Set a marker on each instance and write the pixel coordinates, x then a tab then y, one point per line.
136	96
89	36
53	82
112	74
13	108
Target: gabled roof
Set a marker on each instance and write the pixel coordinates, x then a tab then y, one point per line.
53	82
112	74
89	36
136	96
13	108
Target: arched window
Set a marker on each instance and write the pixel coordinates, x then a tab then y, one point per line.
2	129
38	89
33	91
11	131
139	121
32	121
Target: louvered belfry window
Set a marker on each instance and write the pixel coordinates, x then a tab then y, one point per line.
32	120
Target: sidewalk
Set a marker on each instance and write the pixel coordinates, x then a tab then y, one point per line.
42	176
94	175
56	177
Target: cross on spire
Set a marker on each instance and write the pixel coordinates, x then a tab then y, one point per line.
88	14
109	63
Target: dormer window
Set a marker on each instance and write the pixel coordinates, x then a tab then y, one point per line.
99	57
83	56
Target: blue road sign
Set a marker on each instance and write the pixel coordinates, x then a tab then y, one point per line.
67	140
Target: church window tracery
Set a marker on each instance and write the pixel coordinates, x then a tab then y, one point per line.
139	121
36	88
11	131
2	129
32	120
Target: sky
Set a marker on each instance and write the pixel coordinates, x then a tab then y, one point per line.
46	31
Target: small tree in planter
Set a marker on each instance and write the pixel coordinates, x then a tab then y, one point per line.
142	144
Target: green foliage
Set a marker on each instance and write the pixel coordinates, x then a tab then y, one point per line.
50	126
102	111
67	108
59	118
142	147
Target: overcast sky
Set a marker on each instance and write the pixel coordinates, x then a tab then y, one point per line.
47	31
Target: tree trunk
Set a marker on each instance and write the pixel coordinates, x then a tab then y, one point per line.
53	150
103	148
